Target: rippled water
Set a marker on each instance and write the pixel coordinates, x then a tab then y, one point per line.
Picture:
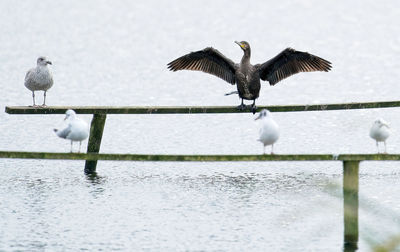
115	53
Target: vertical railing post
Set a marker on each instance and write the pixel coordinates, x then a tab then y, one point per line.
350	204
96	133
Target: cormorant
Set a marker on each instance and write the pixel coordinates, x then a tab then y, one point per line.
247	76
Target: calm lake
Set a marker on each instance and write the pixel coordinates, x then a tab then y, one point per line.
116	52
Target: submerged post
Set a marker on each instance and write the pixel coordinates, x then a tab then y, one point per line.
96	133
350	206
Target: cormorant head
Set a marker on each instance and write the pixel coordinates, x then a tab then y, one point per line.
244	45
263	113
42	61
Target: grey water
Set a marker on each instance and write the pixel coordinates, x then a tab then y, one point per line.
115	53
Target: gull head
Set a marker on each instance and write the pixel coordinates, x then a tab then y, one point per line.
381	123
264	113
69	114
42	61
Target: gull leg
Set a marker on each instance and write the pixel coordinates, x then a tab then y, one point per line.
377	146
33	97
71	146
44	99
272	149
264	149
385	147
80	143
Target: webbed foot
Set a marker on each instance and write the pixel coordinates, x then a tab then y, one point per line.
241	107
253	108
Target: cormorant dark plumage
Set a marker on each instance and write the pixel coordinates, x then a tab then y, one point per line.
247	76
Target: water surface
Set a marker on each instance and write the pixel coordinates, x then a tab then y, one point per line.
115	53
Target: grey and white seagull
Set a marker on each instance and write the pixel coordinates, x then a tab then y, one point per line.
380	132
77	130
269	131
39	78
247	76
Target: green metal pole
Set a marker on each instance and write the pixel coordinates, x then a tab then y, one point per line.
96	133
350	206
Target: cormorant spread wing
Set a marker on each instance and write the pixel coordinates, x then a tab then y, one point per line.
290	62
208	60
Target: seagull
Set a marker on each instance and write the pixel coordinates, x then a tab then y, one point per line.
39	78
77	130
245	75
379	132
269	131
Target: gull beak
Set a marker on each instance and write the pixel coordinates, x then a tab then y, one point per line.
385	124
49	62
66	117
258	117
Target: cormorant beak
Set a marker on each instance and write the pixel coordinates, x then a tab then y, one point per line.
49	62
240	44
258	117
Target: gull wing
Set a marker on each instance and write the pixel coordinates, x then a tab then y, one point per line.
64	132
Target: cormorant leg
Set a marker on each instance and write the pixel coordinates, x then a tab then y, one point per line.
253	107
71	146
44	99
241	106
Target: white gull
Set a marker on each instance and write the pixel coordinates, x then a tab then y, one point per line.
379	132
77	130
269	131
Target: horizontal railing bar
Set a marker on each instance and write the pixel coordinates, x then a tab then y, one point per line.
193	109
226	158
